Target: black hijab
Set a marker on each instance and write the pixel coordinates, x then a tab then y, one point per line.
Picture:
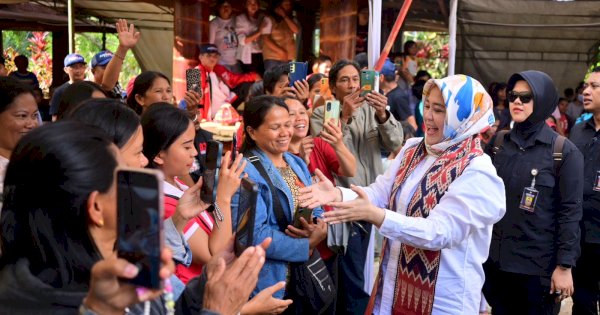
545	100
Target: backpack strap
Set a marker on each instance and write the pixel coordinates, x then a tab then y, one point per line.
499	140
279	215
557	153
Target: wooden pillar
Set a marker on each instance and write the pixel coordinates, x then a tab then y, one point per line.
60	49
338	28
306	15
191	29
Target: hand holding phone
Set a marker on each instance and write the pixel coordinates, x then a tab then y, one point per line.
302	213
140	212
369	81
298	72
210	177
332	111
192	80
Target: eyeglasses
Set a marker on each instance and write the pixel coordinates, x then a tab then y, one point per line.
525	97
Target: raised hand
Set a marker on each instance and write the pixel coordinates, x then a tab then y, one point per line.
230	176
128	37
306	146
301	90
234	280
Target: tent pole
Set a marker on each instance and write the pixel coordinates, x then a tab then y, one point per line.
374	39
71	29
452	43
393	34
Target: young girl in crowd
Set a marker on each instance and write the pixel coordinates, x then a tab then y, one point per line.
148	88
169	146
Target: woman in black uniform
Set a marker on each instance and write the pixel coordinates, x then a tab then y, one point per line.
536	243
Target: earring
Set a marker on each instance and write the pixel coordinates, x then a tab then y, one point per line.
101	223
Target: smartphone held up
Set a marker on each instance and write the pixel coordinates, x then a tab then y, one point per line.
140	212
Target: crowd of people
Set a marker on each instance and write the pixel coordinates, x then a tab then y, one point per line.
481	196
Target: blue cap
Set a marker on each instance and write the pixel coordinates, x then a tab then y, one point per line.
102	58
209	49
388	68
72	59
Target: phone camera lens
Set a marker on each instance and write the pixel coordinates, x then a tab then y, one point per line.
328	106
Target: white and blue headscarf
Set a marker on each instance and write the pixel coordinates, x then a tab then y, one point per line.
468	108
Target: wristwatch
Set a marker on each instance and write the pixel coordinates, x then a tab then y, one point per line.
564	266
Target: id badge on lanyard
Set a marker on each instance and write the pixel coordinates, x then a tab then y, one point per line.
530	195
597	182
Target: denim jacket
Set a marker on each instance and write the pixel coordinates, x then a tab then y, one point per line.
283	249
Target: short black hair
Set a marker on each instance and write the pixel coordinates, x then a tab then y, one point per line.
11	88
361	59
273	75
333	73
75	94
596	69
315	78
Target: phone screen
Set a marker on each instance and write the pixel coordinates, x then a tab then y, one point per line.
244	234
139	207
332	111
302	213
192	80
233	147
214	150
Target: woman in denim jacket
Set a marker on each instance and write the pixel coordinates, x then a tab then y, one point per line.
268	131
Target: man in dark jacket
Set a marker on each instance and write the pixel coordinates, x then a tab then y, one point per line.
586	137
536	243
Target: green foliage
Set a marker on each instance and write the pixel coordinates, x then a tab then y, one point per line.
433	51
87	44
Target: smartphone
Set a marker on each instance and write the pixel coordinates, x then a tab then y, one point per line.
192	80
244	232
332	111
210	177
140	212
302	213
298	72
369	81
234	147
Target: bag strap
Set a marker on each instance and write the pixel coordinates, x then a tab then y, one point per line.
557	154
279	215
499	140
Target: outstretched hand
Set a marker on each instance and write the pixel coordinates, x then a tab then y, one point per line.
320	193
359	209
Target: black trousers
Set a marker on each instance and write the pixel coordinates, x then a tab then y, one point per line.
512	293
351	298
586	277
